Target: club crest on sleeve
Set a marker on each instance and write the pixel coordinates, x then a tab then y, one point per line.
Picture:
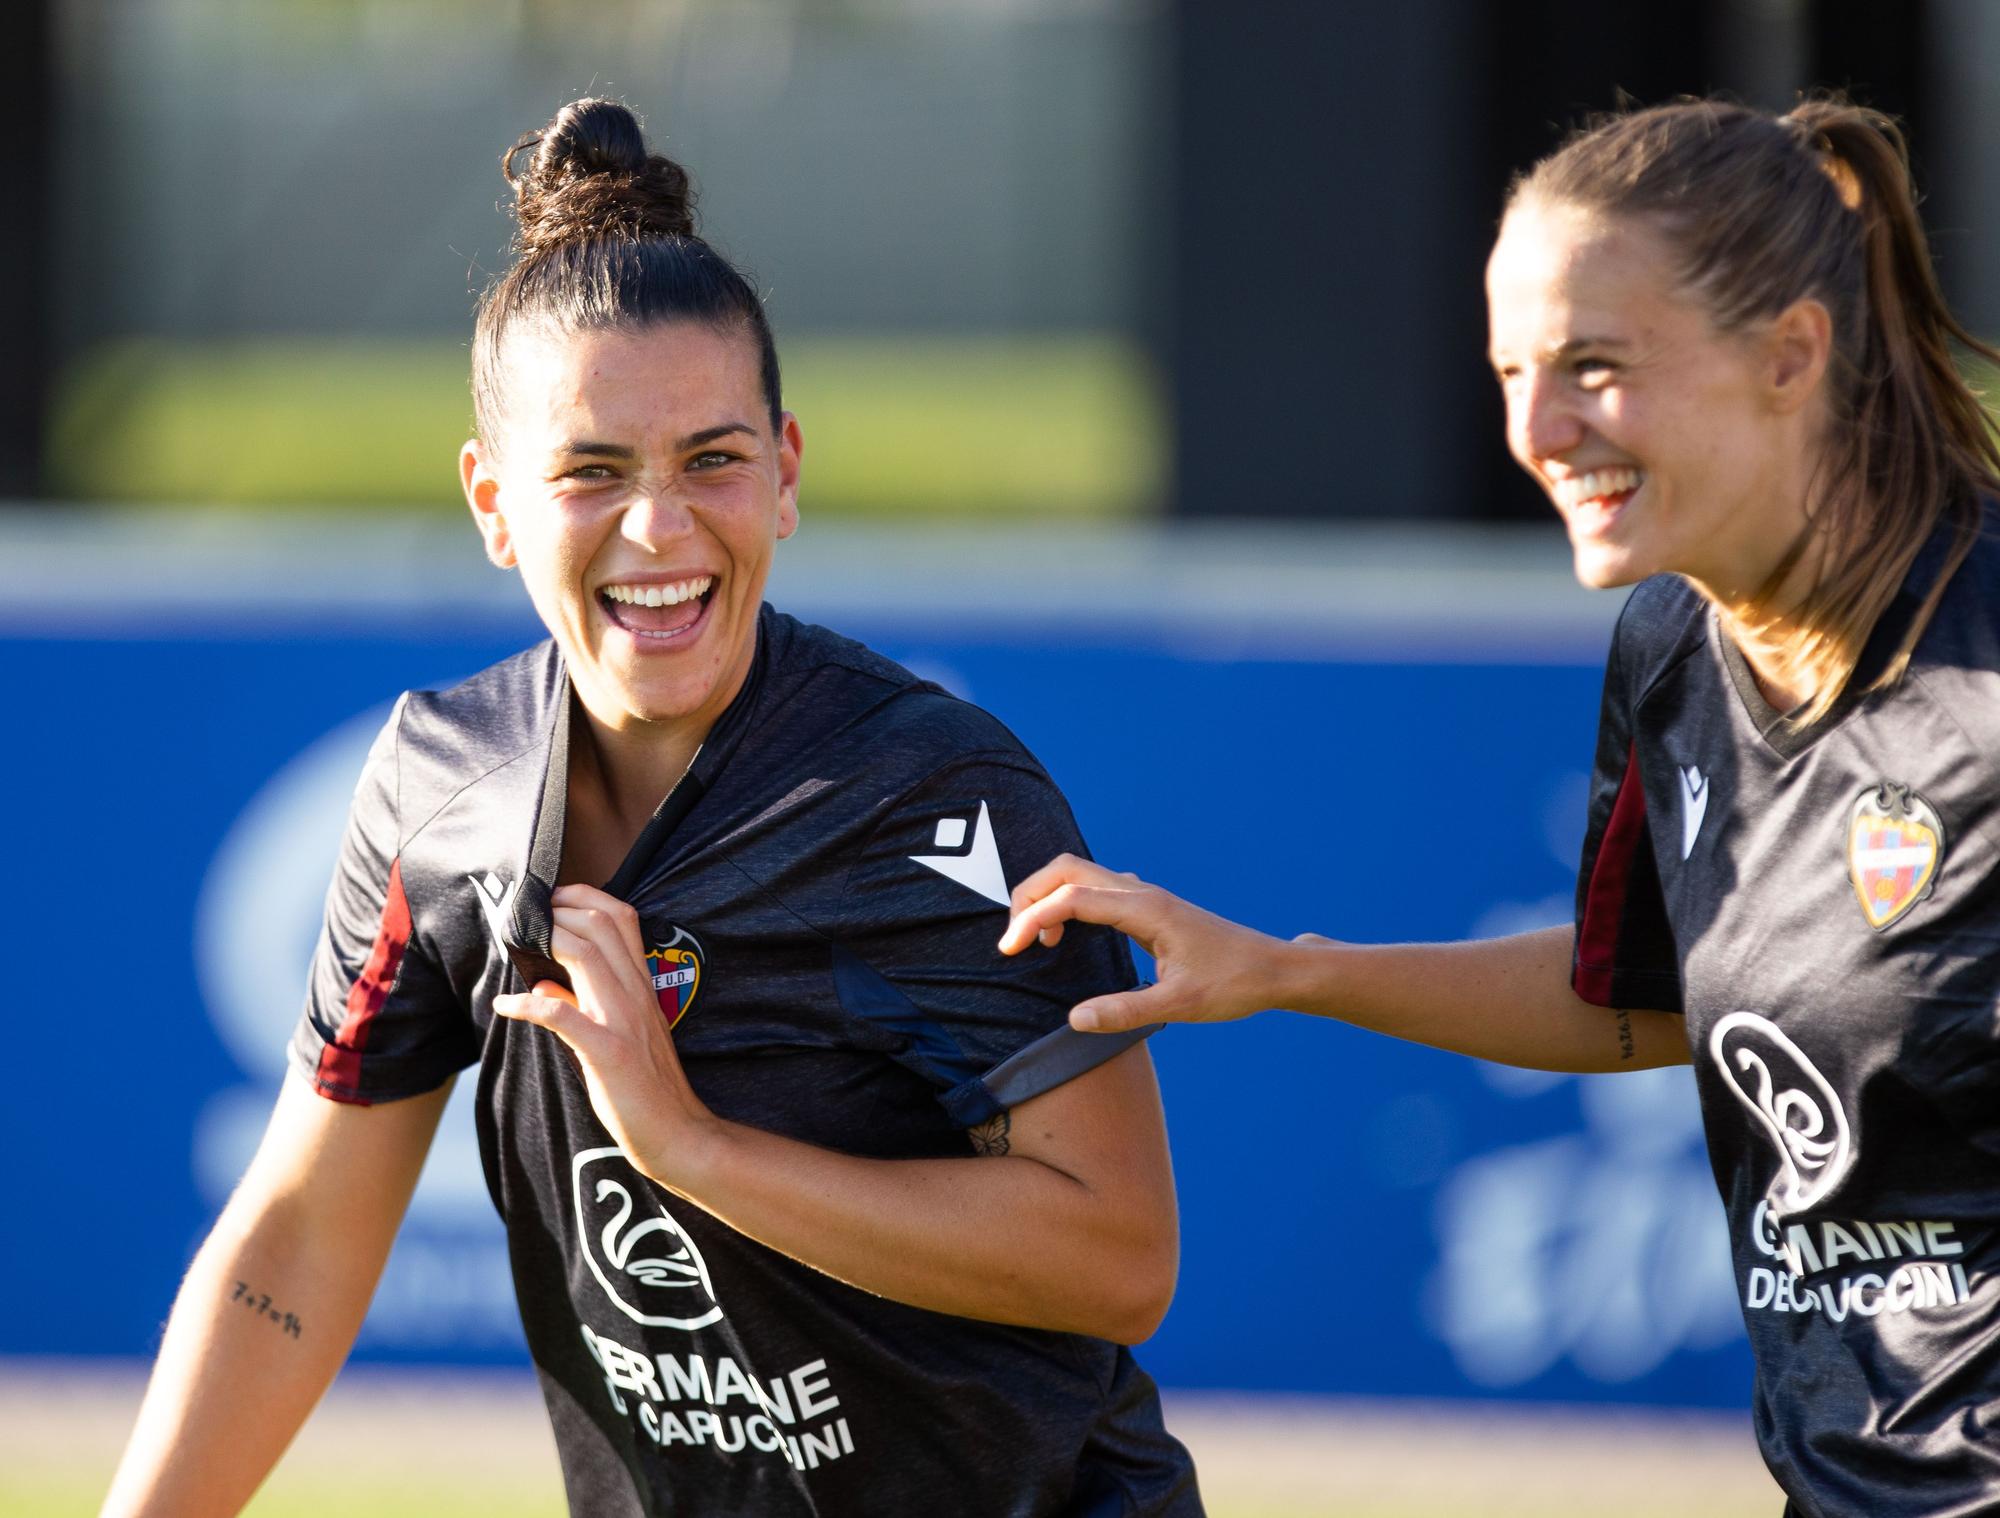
675	968
1895	847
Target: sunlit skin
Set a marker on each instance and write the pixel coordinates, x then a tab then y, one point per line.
1607	364
639	458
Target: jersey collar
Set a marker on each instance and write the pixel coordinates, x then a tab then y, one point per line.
532	915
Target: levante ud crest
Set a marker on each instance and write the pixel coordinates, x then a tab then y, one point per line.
675	968
1895	846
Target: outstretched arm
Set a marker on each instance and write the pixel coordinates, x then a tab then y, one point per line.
271	1304
1066	1221
1503	999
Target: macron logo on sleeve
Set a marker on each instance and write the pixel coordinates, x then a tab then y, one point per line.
976	867
496	901
1694	805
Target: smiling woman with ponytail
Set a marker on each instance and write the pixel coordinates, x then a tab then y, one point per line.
1815	205
1726	359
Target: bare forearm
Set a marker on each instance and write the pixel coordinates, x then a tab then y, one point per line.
257	1333
272	1302
1503	999
1000	1237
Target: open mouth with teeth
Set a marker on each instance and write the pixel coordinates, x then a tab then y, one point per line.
658	611
1596	496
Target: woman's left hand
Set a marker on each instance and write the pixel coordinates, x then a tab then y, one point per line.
613	1024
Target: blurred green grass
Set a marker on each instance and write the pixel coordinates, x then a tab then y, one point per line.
1062	425
436	1444
472	1497
314	1496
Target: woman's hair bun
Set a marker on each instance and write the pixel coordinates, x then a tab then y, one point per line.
591	177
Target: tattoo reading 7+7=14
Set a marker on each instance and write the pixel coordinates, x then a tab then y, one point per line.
260	1304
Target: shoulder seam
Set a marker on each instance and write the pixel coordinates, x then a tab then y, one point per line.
536	741
396	774
440	808
1682	646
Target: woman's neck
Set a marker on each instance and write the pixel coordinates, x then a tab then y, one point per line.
1782	679
1766	629
1763	580
615	786
623	774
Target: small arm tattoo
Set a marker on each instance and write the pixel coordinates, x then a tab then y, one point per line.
260	1303
990	1137
1627	1050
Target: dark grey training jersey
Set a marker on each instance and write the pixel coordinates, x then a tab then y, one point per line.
820	899
1825	908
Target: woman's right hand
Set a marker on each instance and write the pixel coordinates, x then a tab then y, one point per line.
1210	969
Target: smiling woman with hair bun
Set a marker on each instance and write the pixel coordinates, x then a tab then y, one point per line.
815	1204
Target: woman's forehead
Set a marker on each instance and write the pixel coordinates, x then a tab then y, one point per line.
663	376
1560	267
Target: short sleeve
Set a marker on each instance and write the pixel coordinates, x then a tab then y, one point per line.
380	1021
1625	954
925	905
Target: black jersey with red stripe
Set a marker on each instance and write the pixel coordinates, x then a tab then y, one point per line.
1824	906
820	898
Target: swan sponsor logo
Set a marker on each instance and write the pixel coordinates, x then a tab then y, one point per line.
649	1268
693	1400
675	968
1791	1104
1895	846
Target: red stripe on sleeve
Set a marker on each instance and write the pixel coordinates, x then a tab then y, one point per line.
339	1074
1610	882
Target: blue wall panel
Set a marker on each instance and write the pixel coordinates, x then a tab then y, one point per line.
1359	1216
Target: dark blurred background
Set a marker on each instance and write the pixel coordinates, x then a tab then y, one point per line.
1094	258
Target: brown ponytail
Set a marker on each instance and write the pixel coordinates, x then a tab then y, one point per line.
1764	211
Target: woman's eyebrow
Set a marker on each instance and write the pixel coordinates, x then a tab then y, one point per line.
595	449
710	434
1558	351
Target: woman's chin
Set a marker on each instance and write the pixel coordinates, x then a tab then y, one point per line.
1601	566
653	702
626	695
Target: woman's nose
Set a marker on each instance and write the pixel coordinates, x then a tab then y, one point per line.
1544	422
656	518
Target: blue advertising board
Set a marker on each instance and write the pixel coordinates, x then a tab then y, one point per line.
1358	1215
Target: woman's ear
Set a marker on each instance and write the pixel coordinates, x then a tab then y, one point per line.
791	445
482	494
1799	346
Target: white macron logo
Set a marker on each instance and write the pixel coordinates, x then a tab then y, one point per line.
977	868
496	900
1694	805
